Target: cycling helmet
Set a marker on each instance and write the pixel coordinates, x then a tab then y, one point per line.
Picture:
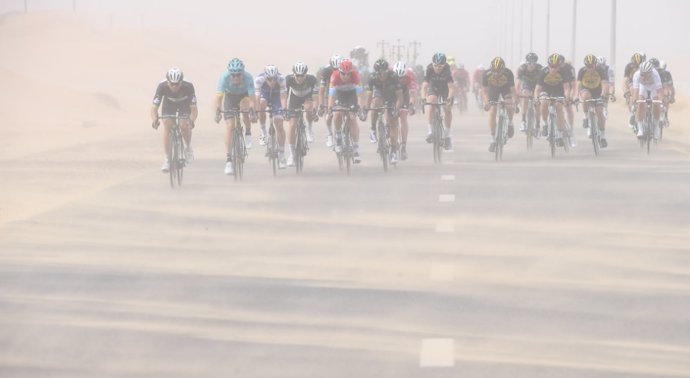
300	68
637	58
643	55
481	67
531	58
236	66
438	58
590	60
646	67
271	71
555	60
451	61
601	60
654	61
497	64
662	64
174	75
400	68
381	65
345	66
335	61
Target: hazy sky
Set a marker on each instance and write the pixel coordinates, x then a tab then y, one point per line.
469	30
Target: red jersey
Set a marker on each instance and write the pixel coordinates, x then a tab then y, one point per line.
461	76
409	81
340	83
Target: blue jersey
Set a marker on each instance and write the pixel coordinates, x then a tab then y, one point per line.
246	86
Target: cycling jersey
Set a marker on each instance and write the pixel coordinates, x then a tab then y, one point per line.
344	88
299	93
553	82
649	84
569	67
610	72
438	82
499	83
324	76
246	86
340	83
528	79
666	78
630	69
408	83
181	102
478	76
387	88
461	77
591	80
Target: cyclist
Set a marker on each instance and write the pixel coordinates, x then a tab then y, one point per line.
384	90
570	105
178	98
630	69
270	86
477	76
592	83
666	81
527	77
612	76
461	79
325	82
235	92
647	84
438	84
344	91
554	81
300	87
497	82
408	83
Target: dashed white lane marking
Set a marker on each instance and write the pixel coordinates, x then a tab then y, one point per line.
448	178
442	273
445	227
437	353
446	198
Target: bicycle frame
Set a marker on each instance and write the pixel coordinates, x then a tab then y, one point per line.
501	135
238	148
437	128
346	155
177	147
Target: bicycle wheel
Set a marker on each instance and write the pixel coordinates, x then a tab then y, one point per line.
529	133
438	138
236	155
172	158
552	137
498	152
382	143
299	148
179	161
347	148
594	132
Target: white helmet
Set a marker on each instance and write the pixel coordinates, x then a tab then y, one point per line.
335	61
601	60
662	64
400	68
646	66
299	68
174	75
271	71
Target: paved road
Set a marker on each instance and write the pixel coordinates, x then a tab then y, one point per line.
531	267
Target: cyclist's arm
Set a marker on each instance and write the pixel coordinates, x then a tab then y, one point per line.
537	91
370	98
451	90
154	113
194	110
604	89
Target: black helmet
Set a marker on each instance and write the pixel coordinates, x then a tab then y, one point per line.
655	62
531	58
381	65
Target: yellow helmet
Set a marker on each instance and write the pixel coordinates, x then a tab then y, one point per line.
498	63
590	60
637	58
555	59
450	61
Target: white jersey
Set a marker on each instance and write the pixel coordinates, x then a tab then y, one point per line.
260	80
651	83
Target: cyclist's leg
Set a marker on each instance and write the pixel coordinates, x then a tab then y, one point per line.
278	120
167	125
185	124
392	126
560	116
544	107
263	104
244	106
494	95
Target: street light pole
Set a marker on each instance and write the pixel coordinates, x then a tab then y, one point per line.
612	58
572	56
548	22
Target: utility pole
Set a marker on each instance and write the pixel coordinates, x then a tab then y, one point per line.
383	45
548	22
414	45
26	6
531	25
74	6
522	26
398	49
511	55
572	56
612	58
